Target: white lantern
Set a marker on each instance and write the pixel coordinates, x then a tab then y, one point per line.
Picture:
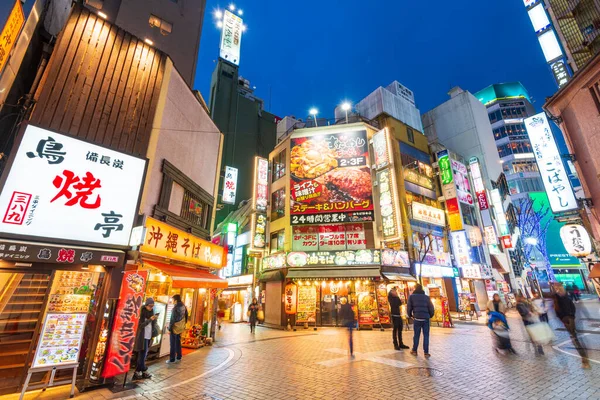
576	240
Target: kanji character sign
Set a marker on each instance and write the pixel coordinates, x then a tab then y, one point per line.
83	188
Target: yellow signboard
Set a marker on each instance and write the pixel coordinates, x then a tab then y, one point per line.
455	222
10	32
166	241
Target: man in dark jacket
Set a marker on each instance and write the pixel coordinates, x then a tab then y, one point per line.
421	310
348	320
395	304
565	311
147	329
179	316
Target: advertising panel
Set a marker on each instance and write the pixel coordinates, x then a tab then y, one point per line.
445	167
60	340
127	316
261	184
461	180
461	248
499	211
355	237
381	149
550	45
480	192
431	215
539	18
387	204
305	238
10	32
490	235
230	185
556	181
259	229
341	258
231	37
560	72
79	191
307	304
434	271
395	258
330	178
576	240
332	237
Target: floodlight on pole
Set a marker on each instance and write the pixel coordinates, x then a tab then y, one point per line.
346	107
313	111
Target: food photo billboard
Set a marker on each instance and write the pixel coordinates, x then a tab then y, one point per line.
331	178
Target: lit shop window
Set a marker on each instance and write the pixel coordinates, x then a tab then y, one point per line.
157	22
278	166
277	204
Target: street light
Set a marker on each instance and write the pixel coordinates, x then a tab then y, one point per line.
532	241
346	107
313	111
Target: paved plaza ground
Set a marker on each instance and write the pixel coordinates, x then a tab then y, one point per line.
309	364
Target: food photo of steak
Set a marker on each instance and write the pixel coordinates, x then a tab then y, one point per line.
346	184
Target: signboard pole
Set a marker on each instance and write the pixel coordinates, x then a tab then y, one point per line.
50	383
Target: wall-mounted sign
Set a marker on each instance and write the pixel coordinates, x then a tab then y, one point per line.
387	204
340	258
261	184
231	37
490	235
471	271
381	149
480	193
395	258
332	237
506	242
355	237
239	280
576	240
445	167
79	191
275	261
475	238
461	248
230	185
305	238
127	316
539	18
550	46
425	213
529	2
10	32
560	72
555	178
172	243
259	229
433	271
289	296
499	211
461	180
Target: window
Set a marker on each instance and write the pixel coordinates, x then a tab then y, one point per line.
277	204
410	134
277	241
278	166
468	214
164	26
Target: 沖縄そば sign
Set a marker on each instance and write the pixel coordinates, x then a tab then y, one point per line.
330	178
63	188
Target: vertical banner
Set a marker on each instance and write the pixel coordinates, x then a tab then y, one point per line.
449	191
125	324
290	298
230	185
231	37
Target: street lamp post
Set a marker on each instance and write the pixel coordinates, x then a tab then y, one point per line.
346	107
313	111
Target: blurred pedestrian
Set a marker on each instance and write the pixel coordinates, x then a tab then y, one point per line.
395	304
421	310
179	318
539	305
221	312
499	328
576	293
253	314
348	320
496	305
147	329
530	317
565	311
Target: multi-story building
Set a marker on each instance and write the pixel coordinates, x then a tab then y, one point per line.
171	26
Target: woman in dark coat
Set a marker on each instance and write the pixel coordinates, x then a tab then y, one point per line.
147	329
253	314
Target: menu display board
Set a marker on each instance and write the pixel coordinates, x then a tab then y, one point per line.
69	303
306	310
60	340
384	308
367	307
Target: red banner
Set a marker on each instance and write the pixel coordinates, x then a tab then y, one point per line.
126	322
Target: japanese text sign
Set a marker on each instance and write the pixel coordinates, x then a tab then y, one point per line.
124	330
550	164
480	193
305	238
63	188
425	213
290	298
445	167
499	211
471	271
576	240
169	242
341	258
461	180
230	185
10	32
330	178
381	149
461	248
52	349
231	37
387	204
261	184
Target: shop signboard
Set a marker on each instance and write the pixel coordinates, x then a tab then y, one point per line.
499	211
395	258
305	238
445	167
490	235
461	248
334	258
461	180
169	242
434	271
381	149
261	184
480	192
506	242
382	300
438	258
289	297
10	33
127	315
240	280
79	191
231	37
307	304
275	261
486	271
60	340
330	178
425	213
259	232
367	305
332	237
471	271
387	204
556	181
355	237
475	238
230	185
576	240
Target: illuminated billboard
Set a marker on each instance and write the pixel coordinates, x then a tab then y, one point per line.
539	18
550	45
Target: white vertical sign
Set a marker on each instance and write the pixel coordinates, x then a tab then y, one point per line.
461	248
556	182
231	37
230	185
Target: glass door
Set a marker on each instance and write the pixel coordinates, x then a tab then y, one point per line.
329	310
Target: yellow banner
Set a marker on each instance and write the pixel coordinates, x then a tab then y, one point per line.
166	241
10	32
455	222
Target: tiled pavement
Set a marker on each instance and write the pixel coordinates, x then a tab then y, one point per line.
311	365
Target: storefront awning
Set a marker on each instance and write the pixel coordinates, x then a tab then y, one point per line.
500	262
332	273
399	277
189	278
595	271
271	276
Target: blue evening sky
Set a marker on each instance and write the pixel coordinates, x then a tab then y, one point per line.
318	53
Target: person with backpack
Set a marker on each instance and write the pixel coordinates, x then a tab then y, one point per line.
420	309
179	318
395	304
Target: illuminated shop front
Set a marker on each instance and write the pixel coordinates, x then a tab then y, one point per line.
234	301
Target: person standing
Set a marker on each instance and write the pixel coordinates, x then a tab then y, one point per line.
395	303
348	320
529	316
539	305
179	318
147	329
420	309
496	305
565	311
253	314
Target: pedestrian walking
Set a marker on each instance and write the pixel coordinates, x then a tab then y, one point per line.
221	312
565	311
576	293
348	320
500	332
253	314
496	305
539	305
421	310
530	317
395	304
147	329
179	318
